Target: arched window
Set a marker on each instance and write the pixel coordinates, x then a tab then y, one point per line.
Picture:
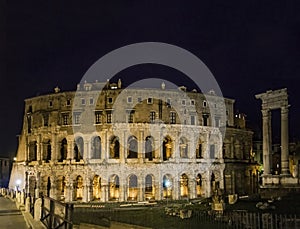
78	149
183	148
184	185
149	153
167	148
114	148
132	147
96	148
63	150
132	187
114	187
149	188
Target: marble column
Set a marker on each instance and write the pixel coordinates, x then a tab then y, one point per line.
284	141
266	142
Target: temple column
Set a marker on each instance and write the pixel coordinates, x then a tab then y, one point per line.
266	142
284	141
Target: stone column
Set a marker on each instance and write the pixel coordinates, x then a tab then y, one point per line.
284	141
266	142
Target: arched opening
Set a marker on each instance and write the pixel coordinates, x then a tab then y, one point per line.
96	148
32	151
78	149
167	148
183	147
78	188
63	150
149	188
132	188
212	151
114	148
114	187
149	146
184	185
96	188
167	186
132	151
199	185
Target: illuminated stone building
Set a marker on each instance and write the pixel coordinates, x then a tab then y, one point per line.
164	144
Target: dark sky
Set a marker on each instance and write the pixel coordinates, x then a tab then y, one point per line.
249	46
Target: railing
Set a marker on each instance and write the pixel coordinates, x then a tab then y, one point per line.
56	214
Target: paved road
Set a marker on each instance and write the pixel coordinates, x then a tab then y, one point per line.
10	216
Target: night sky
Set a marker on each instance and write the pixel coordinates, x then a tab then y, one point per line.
249	46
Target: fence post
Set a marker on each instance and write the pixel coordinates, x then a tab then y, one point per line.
51	221
69	216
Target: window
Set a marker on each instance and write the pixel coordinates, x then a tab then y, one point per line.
109	100
76	118
91	101
183	102
68	102
152	116
130	117
150	100
168	102
205	119
139	100
129	99
50	103
193	102
82	101
212	151
98	117
109	117
172	117
204	103
65	117
192	120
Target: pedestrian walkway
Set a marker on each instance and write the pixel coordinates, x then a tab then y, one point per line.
10	216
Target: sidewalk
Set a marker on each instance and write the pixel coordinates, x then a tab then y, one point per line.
30	221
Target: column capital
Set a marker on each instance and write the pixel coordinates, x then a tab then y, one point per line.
265	113
284	109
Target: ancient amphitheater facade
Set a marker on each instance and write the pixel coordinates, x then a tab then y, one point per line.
131	145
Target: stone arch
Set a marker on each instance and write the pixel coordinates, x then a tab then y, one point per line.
149	148
78	188
96	148
114	147
167	147
200	149
78	148
167	186
48	153
132	147
133	190
149	187
114	187
184	185
183	147
96	187
63	150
